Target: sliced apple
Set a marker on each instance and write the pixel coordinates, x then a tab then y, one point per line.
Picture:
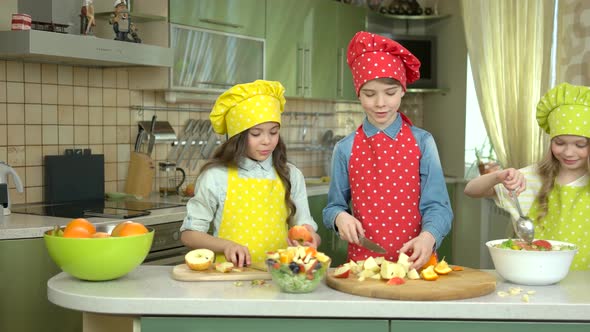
224	267
370	264
343	271
413	274
403	260
391	269
199	259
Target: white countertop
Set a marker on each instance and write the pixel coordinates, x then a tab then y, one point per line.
150	290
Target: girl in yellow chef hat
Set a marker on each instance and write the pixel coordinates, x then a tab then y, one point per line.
555	192
248	190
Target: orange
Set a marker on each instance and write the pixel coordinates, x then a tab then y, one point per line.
300	234
311	251
432	261
72	228
442	267
117	230
133	228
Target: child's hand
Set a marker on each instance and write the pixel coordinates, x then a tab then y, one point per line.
237	254
421	247
512	179
349	228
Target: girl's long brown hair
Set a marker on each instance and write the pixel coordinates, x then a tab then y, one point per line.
233	150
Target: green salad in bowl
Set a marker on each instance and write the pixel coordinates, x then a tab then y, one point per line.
297	269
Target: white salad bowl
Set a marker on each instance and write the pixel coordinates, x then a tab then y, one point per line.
534	268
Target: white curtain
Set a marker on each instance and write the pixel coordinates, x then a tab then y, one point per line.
509	45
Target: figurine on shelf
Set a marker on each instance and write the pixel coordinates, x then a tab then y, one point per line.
121	21
87	18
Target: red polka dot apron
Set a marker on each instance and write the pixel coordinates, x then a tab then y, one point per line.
384	176
254	215
567	220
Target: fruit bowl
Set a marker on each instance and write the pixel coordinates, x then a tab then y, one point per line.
98	259
296	274
529	267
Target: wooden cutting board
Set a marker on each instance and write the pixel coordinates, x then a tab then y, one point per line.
183	273
453	286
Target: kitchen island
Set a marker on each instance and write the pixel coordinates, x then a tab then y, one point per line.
148	299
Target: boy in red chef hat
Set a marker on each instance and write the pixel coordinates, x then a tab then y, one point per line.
388	169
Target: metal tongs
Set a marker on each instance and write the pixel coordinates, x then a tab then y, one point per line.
523	227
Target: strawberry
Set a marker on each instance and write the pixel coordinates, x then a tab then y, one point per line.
542	244
396	281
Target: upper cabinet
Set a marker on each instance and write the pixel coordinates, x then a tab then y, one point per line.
244	17
306	48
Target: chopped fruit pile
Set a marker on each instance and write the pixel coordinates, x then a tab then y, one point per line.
297	269
378	268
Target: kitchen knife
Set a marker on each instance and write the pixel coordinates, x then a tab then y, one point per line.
152	140
372	245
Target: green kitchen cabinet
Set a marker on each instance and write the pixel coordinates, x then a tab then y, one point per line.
331	244
243	17
483	326
446	247
26	267
186	324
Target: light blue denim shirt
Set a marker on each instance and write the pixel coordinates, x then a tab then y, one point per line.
435	206
207	205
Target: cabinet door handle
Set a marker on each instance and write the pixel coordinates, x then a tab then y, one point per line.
307	70
340	77
300	72
217	22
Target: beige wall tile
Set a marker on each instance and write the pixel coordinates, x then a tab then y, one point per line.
122	98
149	98
2	70
109	78
95	116
17	197
65	75
34	155
81	135
123	134
65	134
2	91
50	134
81	95
34	194
49	114
161	151
33	135
135	97
16	155
96	148
123	116
111	186
48	73
81	115
109	115
3	153
109	97
49	94
32	93
65	114
32	72
122	169
122	78
3	115
50	150
15	71
110	153
123	153
65	95
95	96
34	176
15	113
173	118
3	135
33	114
15	92
16	134
109	134
95	77
95	134
110	171
81	76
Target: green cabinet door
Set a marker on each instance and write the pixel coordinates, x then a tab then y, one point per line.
322	58
331	244
243	17
350	20
25	268
186	324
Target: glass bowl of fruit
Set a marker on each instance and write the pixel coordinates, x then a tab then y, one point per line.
543	262
297	269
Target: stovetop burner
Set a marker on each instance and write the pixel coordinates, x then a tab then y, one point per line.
98	208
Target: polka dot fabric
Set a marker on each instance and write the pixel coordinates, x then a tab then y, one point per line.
565	110
384	176
247	105
372	56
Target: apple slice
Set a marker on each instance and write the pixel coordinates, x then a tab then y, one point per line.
343	271
199	259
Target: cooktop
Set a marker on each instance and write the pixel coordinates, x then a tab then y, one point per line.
122	209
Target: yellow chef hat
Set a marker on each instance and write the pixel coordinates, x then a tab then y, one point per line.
245	105
565	110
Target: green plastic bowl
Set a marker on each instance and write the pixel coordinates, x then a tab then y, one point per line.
99	259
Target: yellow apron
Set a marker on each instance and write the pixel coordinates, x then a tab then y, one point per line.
568	220
254	215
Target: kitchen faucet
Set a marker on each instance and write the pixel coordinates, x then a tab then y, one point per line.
5	170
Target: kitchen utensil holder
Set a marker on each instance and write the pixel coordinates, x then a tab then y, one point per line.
140	174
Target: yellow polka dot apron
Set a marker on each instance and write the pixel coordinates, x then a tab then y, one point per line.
254	215
568	220
384	176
